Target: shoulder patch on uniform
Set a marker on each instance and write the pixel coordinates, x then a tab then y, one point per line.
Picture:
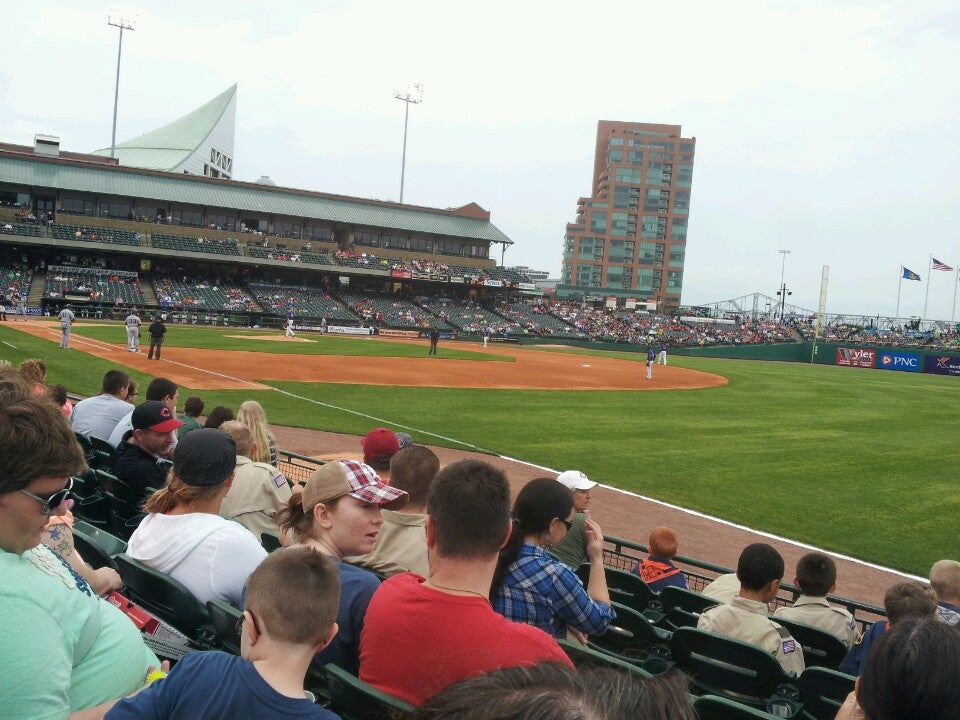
280	480
789	646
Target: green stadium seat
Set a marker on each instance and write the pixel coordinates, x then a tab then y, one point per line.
632	638
823	691
723	666
353	699
102	454
714	707
168	599
584	656
683	607
96	546
625	588
820	648
224	617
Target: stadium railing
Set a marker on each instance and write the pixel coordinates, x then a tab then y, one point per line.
296	467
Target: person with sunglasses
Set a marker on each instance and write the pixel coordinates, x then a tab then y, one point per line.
531	586
63	649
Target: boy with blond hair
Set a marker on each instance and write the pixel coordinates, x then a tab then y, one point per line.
290	614
817	577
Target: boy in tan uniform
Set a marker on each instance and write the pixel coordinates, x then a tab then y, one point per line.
259	490
746	618
817	578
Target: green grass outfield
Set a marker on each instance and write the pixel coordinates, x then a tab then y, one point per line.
862	462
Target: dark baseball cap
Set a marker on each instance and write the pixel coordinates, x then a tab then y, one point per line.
205	457
154	415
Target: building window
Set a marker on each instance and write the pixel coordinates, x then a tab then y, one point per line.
598	222
116	210
656	200
687	147
315	232
616	141
399	242
676	256
446	247
661	145
221	221
626	197
568	244
628	175
654	227
68	204
190	218
674	282
685	175
286	229
614	155
635	157
421	244
645	280
681	203
367	239
679	230
659	173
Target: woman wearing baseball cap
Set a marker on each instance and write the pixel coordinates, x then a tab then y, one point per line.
338	514
184	536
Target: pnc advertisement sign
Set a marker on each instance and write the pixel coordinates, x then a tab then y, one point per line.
856	357
942	364
894	360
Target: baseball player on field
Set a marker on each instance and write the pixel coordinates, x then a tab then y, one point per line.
651	357
133	331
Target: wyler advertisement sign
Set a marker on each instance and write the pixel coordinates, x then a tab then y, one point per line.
942	365
856	357
903	361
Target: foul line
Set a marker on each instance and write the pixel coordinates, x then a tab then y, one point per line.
476	448
9	345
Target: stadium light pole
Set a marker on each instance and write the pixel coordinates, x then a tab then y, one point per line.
413	95
783	284
117	22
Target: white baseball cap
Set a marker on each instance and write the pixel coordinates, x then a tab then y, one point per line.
575	480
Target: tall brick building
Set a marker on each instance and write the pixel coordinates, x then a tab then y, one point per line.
630	235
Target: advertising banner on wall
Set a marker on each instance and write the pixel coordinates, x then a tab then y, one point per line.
856	357
942	364
896	360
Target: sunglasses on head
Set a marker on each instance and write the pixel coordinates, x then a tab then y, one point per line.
52	502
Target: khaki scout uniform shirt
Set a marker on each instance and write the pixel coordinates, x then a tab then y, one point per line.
816	611
724	588
749	621
401	546
259	490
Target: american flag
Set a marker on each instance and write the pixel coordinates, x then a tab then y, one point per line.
937	265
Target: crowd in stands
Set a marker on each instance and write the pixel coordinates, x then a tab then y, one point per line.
110	236
387	310
188	293
182	243
98	285
300	301
468	316
426	584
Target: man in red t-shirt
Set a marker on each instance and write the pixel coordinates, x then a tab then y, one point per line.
421	635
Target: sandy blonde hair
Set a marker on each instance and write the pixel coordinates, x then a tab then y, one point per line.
251	414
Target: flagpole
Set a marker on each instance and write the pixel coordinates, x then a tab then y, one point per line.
953	312
926	299
899	288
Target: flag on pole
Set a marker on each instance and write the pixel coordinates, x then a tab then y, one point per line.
937	265
909	274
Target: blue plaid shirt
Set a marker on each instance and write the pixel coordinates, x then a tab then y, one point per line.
541	591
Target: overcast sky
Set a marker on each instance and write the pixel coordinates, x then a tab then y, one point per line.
829	129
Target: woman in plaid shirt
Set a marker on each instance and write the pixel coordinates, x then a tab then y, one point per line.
532	587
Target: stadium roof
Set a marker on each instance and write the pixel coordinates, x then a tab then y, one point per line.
168	147
24	168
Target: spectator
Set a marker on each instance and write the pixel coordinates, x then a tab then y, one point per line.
817	578
259	490
192	410
160	390
422	635
379	445
908	599
572	549
552	690
58	393
133	391
140	459
184	536
251	414
910	673
759	570
945	581
338	514
658	570
34	371
62	648
401	545
291	605
533	588
97	416
58	536
217	417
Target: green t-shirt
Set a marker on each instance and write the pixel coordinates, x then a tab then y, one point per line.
189	423
572	550
62	648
